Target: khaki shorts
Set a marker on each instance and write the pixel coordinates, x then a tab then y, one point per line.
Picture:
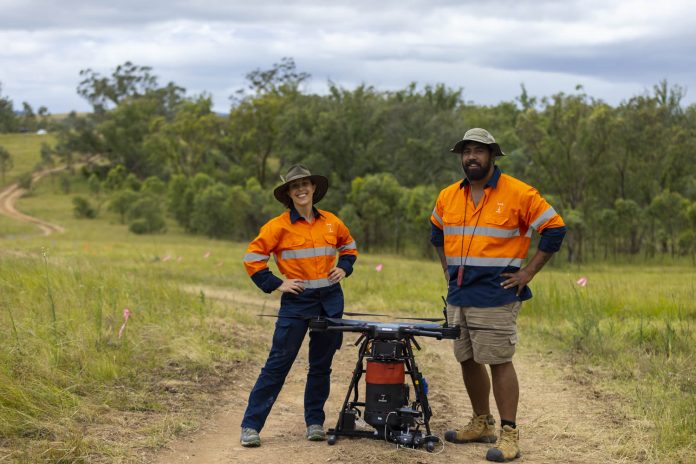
494	342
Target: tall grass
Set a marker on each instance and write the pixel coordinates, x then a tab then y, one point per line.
25	150
630	331
62	363
634	328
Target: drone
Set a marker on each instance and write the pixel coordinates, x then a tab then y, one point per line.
385	358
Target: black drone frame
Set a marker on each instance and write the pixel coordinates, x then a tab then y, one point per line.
402	429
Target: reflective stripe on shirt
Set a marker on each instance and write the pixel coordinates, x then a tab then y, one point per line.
483	262
483	231
348	246
250	257
317	283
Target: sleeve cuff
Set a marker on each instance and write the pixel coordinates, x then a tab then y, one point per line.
346	262
551	239
437	236
266	281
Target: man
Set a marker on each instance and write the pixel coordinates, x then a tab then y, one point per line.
481	229
304	241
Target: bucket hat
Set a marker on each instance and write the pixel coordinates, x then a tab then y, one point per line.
478	135
295	172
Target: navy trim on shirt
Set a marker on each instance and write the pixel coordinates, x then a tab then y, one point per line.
551	239
346	262
266	281
294	215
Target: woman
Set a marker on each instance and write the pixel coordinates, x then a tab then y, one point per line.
304	241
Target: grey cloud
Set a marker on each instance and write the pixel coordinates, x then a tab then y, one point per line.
210	46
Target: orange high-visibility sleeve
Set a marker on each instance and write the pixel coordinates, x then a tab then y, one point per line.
259	251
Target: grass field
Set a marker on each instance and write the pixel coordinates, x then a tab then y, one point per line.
70	388
24	149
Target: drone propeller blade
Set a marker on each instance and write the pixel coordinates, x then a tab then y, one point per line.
302	318
426	319
366	314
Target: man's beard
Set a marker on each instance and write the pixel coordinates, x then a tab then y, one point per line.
478	173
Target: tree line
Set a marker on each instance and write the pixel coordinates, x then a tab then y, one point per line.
622	176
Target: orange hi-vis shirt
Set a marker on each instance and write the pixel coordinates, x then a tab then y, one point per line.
301	250
491	237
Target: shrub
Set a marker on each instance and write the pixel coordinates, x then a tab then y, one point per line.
83	209
147	213
25	181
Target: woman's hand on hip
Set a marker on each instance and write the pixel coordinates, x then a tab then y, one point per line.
336	275
294	286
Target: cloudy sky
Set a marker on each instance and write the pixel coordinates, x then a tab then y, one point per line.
614	48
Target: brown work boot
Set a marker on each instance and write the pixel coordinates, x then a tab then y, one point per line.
479	429
508	447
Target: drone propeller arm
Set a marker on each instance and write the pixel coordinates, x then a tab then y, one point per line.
423	333
347	328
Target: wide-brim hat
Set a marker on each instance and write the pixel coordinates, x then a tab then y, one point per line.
295	172
481	136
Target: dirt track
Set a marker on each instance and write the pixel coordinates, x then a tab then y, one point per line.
8	199
560	419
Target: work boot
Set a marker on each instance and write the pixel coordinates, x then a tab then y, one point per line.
250	438
315	432
479	429
508	447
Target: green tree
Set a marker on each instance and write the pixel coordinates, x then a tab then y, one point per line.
116	178
146	216
153	186
189	143
121	201
83	209
629	224
417	206
255	119
8	119
182	192
567	141
669	210
375	200
26	181
6	162
46	155
210	215
27	119
126	81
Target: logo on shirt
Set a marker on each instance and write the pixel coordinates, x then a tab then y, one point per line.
501	205
330	227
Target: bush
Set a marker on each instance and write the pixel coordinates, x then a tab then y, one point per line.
139	226
65	183
146	216
121	201
25	181
83	209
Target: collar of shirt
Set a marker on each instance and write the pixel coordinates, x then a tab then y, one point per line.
294	215
492	182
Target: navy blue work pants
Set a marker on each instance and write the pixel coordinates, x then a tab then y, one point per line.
287	339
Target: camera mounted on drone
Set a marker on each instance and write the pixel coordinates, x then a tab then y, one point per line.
385	358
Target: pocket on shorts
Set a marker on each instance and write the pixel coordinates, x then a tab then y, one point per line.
492	348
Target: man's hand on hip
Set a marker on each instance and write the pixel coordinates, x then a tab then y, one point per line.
516	279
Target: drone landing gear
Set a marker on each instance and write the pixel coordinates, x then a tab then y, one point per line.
386	406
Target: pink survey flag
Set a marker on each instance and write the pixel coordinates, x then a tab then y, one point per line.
166	258
206	255
378	267
126	316
582	281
